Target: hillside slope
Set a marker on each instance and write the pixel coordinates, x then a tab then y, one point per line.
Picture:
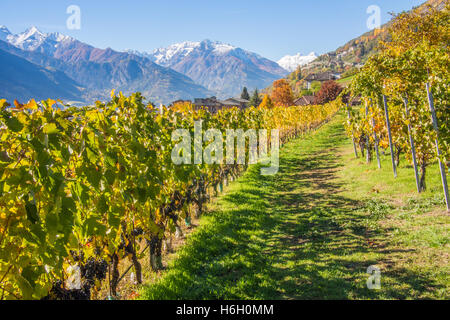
221	68
23	80
101	70
355	53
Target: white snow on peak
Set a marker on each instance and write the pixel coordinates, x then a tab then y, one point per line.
28	40
4	33
217	47
4	29
222	48
183	49
32	38
176	52
291	63
33	30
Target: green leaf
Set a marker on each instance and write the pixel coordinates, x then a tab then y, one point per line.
32	212
38	234
110	176
14	124
142	195
93	227
102	205
93	176
25	287
114	220
51	222
66	215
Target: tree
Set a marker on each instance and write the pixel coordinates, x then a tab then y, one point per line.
306	92
329	91
315	86
296	75
282	93
255	100
266	102
416	54
244	94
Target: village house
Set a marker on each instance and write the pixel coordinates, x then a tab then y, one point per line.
180	102
213	104
305	101
321	77
236	102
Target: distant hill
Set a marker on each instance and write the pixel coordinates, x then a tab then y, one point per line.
354	54
100	70
23	80
221	68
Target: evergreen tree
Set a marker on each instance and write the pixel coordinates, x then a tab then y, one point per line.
244	94
255	100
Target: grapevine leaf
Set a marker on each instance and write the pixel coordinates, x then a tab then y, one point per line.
102	205
32	212
14	124
25	287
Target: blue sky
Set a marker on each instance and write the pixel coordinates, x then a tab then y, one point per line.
270	28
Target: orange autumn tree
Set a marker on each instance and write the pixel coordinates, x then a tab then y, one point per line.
282	93
266	103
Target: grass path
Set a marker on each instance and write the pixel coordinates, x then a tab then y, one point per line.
311	231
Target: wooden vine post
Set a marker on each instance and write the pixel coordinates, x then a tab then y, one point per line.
353	137
369	153
377	151
391	145
413	148
436	128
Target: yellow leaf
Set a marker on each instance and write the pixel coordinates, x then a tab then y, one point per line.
50	102
18	104
3	103
31	105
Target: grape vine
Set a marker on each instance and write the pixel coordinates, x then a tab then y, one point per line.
89	187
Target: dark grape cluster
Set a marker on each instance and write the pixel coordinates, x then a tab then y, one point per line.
137	232
94	269
77	256
58	292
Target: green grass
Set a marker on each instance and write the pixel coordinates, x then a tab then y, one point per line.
311	231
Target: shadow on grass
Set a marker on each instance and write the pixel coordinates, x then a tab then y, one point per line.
290	236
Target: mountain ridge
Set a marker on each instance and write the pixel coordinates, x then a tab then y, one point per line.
101	70
23	80
353	54
220	67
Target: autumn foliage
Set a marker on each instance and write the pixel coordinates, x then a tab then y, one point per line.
329	91
282	93
415	58
266	103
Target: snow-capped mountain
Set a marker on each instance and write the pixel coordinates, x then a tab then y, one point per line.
101	70
173	53
4	33
220	67
33	39
291	63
